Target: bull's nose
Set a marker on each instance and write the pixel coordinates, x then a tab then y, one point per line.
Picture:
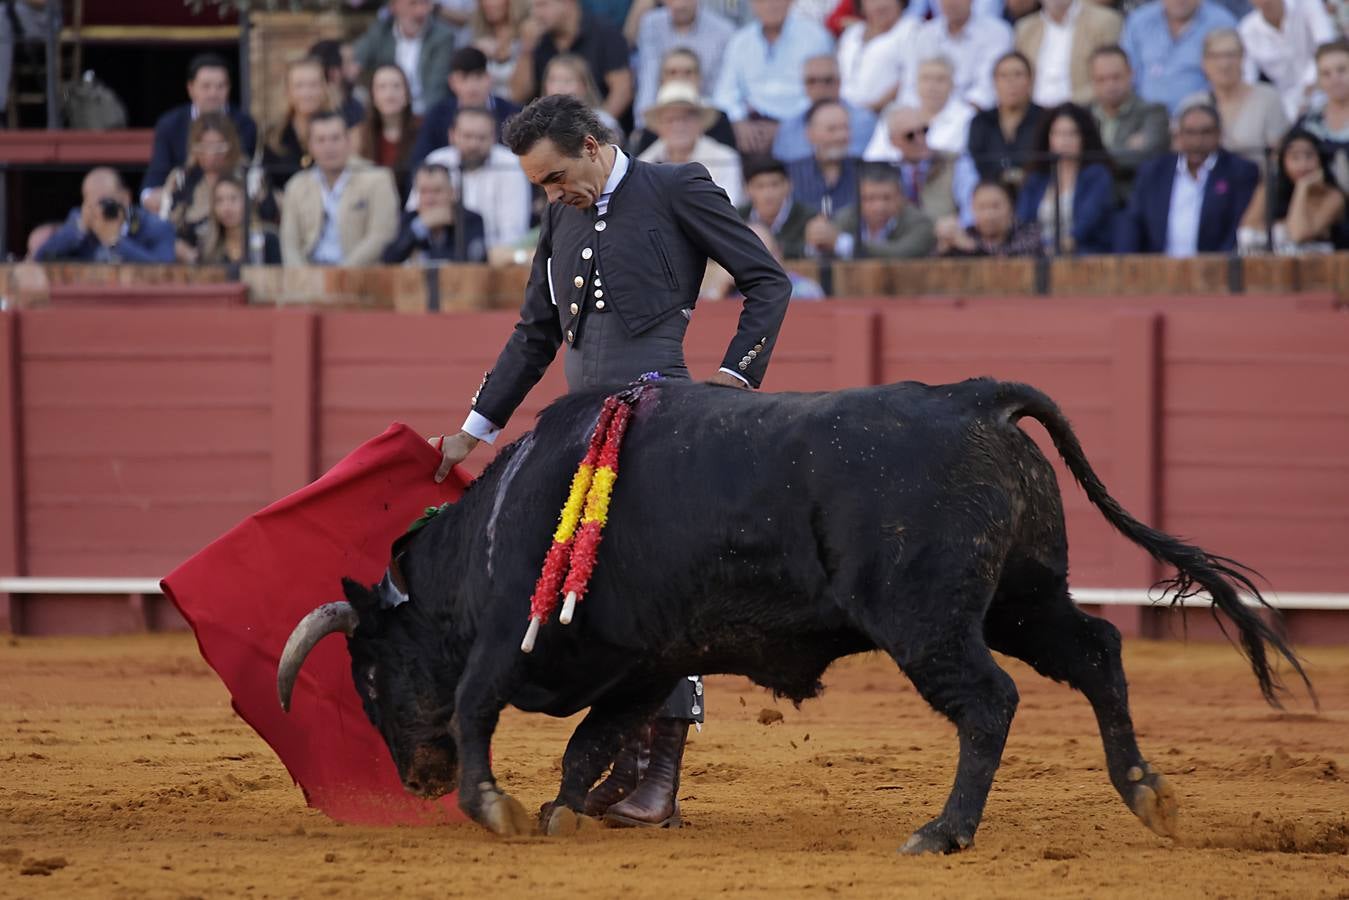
414	785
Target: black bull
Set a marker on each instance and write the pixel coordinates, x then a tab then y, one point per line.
763	535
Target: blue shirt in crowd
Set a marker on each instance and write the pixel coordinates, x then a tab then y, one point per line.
1167	69
766	78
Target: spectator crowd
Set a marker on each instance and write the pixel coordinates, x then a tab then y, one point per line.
839	130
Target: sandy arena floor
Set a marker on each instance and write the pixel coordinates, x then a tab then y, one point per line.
126	775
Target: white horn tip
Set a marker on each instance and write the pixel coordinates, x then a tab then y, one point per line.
568	608
527	645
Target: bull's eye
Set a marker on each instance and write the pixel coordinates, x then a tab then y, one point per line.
370	683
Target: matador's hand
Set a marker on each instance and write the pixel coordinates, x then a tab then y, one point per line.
454	449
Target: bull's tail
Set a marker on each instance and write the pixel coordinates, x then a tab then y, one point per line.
1222	578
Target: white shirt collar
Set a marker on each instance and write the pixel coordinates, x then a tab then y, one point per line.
615	177
1207	167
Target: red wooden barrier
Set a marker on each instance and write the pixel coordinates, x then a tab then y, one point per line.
131	437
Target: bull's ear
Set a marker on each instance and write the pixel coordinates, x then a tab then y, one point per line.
359	596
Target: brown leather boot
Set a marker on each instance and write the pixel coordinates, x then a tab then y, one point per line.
628	767
655	803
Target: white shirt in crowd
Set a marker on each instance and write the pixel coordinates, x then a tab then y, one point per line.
1053	77
407	52
328	249
1287	54
947	132
1187	199
722	163
497	190
871	70
973	52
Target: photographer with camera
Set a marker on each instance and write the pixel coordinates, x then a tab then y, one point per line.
107	228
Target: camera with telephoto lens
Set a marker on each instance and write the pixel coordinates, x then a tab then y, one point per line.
110	208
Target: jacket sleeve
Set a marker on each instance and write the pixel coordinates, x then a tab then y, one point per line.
248	134
400	248
382	222
152	244
914	236
1092	206
68	243
434	132
707	218
161	156
292	251
435	84
1129	224
1028	200
532	345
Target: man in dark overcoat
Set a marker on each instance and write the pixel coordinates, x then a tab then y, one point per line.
622	250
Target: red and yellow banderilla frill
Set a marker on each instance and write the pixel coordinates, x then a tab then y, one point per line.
571	558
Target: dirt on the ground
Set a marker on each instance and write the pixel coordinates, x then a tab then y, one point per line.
125	774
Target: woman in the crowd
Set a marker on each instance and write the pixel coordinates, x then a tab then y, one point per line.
995	231
680	118
1001	138
1252	114
496	32
569	73
682	64
1304	213
223	232
390	129
213	153
1072	166
1330	124
873	54
286	149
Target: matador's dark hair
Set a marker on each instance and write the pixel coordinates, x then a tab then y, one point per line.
561	119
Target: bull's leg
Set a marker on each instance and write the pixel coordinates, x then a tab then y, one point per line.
1044	629
478	704
591	749
958	677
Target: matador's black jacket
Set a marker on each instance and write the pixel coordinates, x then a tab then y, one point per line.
662	224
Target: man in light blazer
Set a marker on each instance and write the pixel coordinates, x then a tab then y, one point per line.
1059	41
343	210
418	42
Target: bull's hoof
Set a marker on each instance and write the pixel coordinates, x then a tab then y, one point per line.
1154	801
559	821
502	814
936	837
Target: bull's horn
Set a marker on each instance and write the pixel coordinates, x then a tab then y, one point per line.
327	619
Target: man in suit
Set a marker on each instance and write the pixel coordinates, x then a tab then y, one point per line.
622	250
208	90
470	86
1132	130
1190	202
417	42
881	226
438	229
341	212
1059	41
107	228
773	204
